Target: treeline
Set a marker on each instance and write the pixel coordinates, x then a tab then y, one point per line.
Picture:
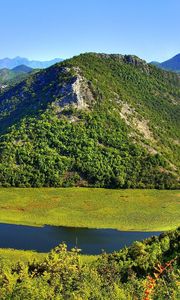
146	270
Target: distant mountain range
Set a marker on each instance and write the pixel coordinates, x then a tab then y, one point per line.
172	64
11	63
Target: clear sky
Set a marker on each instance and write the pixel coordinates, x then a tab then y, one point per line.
44	29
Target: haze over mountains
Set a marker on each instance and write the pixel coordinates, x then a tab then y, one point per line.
94	120
22	68
172	64
11	63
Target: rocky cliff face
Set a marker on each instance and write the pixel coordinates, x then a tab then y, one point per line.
75	91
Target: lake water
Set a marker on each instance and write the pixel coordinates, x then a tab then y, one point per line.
91	241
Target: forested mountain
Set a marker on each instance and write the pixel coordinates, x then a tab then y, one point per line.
93	120
11	63
22	69
172	64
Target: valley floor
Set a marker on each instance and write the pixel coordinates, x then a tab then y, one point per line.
143	210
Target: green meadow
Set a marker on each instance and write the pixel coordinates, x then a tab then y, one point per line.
146	210
9	256
12	256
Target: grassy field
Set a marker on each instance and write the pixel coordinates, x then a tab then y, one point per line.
146	210
9	256
14	255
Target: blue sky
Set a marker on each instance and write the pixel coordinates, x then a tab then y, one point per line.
44	29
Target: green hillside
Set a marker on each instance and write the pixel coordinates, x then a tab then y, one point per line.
7	76
94	120
11	77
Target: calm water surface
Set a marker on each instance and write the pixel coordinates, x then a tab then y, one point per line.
91	241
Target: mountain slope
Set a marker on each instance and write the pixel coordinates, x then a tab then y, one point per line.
11	63
14	76
22	69
172	64
5	75
96	119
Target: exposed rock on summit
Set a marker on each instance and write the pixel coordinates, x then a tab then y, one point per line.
75	92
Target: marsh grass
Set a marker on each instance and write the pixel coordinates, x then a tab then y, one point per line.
145	210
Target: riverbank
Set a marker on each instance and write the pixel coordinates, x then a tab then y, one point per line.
140	210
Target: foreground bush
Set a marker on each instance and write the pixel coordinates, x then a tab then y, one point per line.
146	270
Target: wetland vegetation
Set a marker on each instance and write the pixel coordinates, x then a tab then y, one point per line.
139	210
